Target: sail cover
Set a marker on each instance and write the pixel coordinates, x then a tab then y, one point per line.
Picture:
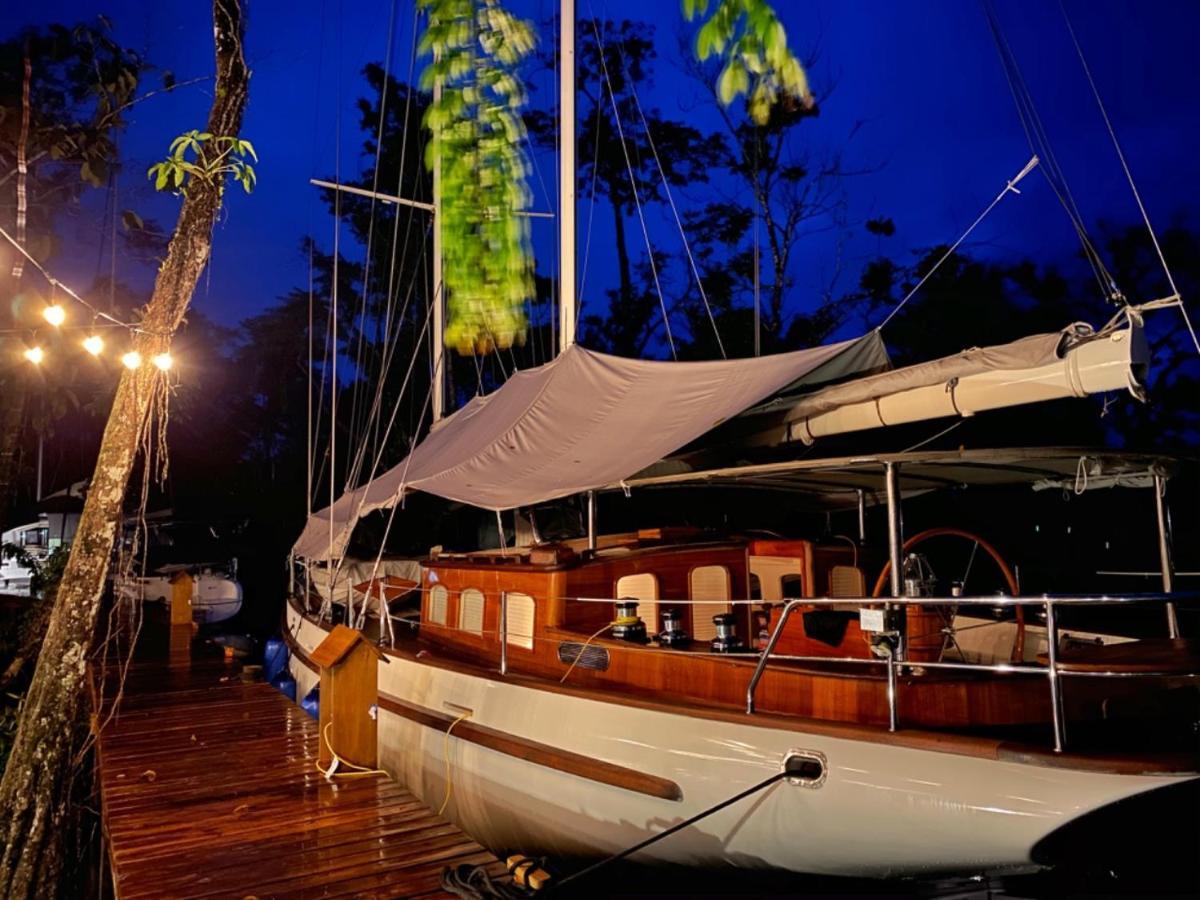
582	421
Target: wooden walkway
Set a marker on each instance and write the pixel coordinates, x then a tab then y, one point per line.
209	789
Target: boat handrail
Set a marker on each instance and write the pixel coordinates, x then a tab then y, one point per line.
1051	669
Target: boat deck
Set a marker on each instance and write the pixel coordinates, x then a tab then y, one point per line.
209	787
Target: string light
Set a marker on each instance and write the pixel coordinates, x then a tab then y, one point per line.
162	361
35	355
131	360
54	314
94	344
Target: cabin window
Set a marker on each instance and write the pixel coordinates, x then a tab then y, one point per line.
470	611
642	587
792	586
520	620
437	604
708	583
755	587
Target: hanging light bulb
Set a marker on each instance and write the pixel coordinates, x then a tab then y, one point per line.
131	360
162	361
94	344
35	355
54	314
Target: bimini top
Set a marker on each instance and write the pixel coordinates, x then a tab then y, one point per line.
580	422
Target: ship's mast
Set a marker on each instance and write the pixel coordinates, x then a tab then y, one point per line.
566	178
438	298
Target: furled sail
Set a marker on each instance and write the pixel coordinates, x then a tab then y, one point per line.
1074	362
581	421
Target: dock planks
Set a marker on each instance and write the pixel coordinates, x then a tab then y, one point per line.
209	788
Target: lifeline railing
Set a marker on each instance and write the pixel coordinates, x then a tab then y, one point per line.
1051	670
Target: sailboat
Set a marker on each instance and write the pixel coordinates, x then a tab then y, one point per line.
719	696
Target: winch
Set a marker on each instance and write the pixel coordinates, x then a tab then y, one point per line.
673	634
627	626
726	640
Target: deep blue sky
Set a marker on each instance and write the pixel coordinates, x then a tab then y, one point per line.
918	83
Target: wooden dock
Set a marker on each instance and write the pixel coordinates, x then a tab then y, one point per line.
209	788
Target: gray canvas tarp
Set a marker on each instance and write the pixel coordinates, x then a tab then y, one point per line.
582	421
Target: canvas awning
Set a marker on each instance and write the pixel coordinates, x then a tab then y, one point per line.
582	421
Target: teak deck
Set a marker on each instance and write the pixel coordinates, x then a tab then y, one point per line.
209	789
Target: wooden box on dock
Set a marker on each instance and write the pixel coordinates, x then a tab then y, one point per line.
348	664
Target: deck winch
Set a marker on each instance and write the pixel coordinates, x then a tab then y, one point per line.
627	626
727	640
673	634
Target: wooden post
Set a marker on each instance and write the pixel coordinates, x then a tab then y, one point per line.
180	642
349	688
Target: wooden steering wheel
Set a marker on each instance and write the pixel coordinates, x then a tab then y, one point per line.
1018	650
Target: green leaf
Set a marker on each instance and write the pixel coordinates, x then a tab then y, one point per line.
132	221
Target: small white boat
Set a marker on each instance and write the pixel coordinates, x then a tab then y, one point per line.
216	593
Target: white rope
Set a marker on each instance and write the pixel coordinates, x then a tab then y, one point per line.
1129	177
637	201
1011	186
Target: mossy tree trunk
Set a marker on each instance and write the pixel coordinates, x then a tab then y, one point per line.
35	791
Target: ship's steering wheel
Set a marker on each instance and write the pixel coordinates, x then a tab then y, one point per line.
1018	649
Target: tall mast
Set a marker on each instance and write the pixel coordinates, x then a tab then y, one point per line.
438	297
566	178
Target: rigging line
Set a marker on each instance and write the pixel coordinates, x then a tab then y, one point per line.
758	214
556	301
1039	144
337	228
933	437
310	436
1129	176
389	308
366	282
395	411
633	187
587	244
478	374
671	201
1010	186
392	340
398	496
320	473
308	339
396	499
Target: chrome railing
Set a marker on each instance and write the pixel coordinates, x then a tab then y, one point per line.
1051	671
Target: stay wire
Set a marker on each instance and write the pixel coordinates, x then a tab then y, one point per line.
1011	186
633	188
366	281
1129	177
1039	144
687	248
391	338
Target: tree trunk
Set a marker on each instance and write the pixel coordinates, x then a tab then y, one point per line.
35	790
12	421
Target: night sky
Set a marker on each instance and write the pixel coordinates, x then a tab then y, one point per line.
913	92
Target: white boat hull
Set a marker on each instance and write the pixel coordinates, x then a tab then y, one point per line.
216	597
882	810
